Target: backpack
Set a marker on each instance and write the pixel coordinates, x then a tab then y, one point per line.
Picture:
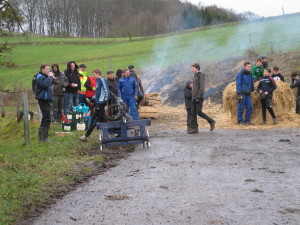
33	83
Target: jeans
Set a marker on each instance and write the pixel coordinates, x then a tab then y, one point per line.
71	99
45	109
197	110
246	102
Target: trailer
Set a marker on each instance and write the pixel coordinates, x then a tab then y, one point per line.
123	133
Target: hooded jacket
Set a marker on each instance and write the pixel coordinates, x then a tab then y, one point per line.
257	71
60	81
244	82
188	97
295	83
43	90
73	77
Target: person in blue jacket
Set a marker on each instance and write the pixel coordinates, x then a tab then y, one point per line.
129	92
100	100
43	93
244	87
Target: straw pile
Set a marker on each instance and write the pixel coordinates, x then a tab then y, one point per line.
283	102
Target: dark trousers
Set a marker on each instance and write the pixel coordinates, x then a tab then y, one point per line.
98	116
189	118
266	104
197	110
45	109
58	106
298	104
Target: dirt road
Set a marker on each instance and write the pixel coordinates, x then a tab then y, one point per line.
221	177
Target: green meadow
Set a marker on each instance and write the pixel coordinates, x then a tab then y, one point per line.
203	45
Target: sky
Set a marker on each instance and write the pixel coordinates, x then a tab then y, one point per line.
264	8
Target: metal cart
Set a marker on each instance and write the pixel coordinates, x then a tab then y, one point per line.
128	132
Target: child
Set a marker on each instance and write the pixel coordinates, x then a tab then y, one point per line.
257	70
188	103
264	61
266	87
276	74
295	82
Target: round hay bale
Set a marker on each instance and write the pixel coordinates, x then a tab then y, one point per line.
282	103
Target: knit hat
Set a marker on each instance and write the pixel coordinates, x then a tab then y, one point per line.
188	82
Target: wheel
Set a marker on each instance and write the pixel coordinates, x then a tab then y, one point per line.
148	144
115	111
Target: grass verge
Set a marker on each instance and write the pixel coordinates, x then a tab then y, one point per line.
31	175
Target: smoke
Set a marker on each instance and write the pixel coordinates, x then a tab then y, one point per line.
173	56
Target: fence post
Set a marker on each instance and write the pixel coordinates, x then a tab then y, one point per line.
2	104
26	122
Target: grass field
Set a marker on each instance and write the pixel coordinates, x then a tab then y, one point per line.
25	171
198	45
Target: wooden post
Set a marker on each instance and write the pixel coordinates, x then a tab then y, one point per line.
26	122
250	42
2	104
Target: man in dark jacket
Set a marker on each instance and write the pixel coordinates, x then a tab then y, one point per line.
276	74
44	96
112	83
141	91
188	102
129	89
59	84
265	88
71	95
295	83
197	100
244	87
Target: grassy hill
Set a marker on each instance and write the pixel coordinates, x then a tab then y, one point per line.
203	45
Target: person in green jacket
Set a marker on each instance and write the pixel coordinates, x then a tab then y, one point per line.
83	78
257	70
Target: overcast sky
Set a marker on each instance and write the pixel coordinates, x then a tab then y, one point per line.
261	7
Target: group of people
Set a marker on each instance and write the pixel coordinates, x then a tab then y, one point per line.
194	93
58	92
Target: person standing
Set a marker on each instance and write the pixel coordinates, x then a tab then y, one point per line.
83	78
128	89
264	61
43	94
188	102
276	74
141	91
197	100
112	85
244	87
295	83
119	75
265	88
59	84
257	70
91	84
101	97
74	85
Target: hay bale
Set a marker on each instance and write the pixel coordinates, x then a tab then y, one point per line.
283	101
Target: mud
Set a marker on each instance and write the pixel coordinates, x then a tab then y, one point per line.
221	177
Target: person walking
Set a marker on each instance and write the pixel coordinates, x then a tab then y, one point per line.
244	87
71	95
100	99
128	89
59	84
197	100
265	88
43	94
188	103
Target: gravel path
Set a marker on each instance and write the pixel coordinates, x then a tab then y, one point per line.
221	177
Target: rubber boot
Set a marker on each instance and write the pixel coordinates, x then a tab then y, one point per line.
40	134
44	132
